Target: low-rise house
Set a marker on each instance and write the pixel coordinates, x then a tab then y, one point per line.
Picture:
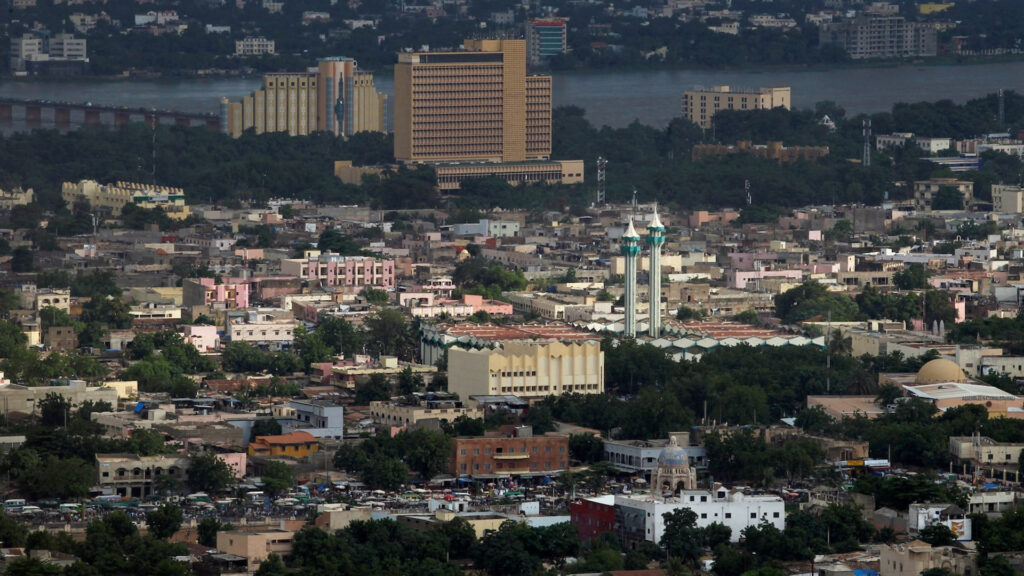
296	445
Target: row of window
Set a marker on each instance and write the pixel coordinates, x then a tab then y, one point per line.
511	450
500	466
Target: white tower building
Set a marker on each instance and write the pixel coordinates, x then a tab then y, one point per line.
655	240
631	250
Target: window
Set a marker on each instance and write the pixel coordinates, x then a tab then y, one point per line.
704	516
753	515
728	514
703	498
775	514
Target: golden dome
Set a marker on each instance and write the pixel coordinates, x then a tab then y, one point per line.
939	370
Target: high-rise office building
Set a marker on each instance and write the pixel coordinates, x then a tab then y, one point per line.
351	101
476	105
545	37
701	104
336	98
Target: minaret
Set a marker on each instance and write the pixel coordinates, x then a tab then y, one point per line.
655	239
631	250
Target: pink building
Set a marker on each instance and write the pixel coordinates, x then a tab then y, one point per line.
236	461
206	292
740	278
334	270
751	260
204	338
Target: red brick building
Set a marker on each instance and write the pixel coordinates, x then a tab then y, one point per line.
592	516
490	456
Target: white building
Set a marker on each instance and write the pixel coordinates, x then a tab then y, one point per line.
1007	199
320	418
490	228
252	46
642	517
895	140
261	328
933	145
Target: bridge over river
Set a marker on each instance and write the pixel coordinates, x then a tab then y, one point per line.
68	115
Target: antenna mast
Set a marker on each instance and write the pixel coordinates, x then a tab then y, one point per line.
601	165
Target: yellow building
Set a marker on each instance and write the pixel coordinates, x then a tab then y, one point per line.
337	98
296	445
530	370
255	547
701	104
934	7
476	105
112	198
450	176
16	197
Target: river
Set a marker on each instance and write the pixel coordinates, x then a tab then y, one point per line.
615	98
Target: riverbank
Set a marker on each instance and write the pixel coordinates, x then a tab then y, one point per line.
388	71
616	99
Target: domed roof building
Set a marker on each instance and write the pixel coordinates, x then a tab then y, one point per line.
673	472
940	371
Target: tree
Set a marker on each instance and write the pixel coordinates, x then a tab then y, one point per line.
681	538
27	566
937	535
22	260
375	388
912	277
948	198
207	473
264	427
272	566
277	477
586	448
207	531
388	334
374	296
427	452
164	521
54	410
387	474
409	382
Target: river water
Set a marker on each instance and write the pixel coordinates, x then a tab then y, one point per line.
615	98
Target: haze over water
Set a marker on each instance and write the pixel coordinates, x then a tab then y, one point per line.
615	98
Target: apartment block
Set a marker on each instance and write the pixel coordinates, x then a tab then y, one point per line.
336	271
881	36
545	37
701	104
925	191
1007	199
